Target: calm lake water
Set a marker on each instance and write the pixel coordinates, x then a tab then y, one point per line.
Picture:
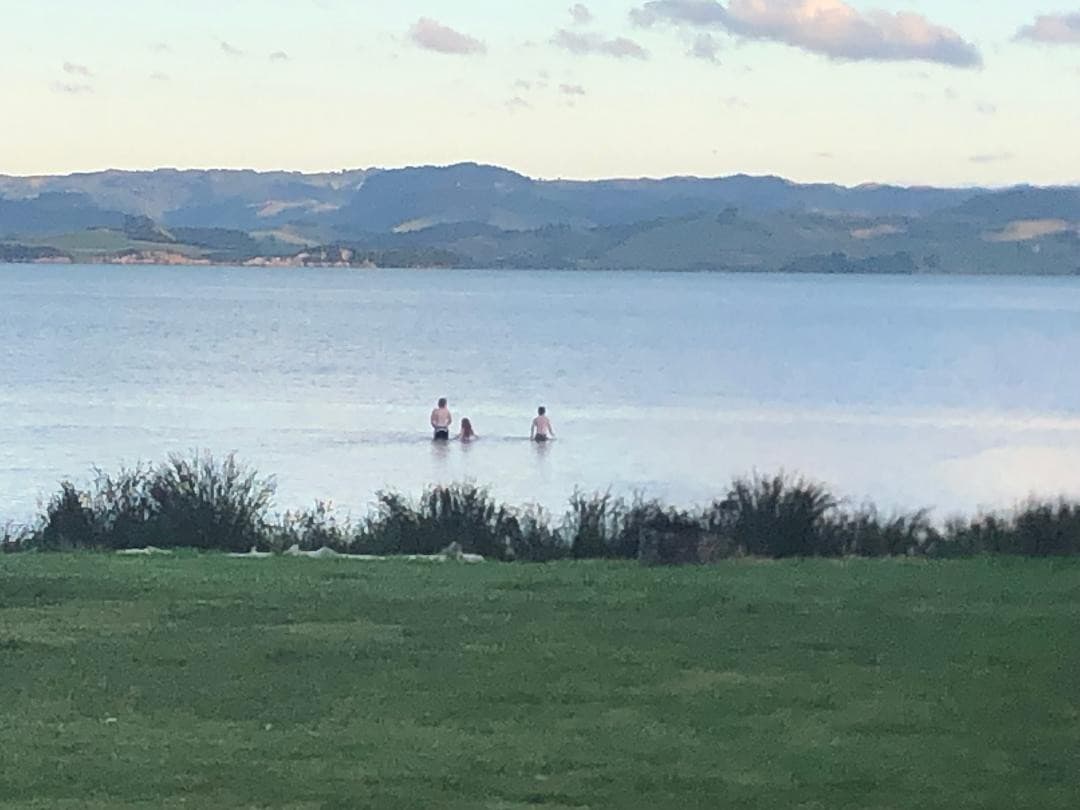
953	393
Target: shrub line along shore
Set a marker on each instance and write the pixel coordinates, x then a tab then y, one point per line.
199	502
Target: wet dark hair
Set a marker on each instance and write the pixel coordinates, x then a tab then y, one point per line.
442	402
541	410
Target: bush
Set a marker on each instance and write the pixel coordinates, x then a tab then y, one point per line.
594	528
776	517
313	529
1046	530
69	522
200	503
124	508
185	503
14	539
664	535
1036	529
461	513
865	533
203	504
535	540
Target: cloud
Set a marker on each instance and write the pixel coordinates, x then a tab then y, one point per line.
434	36
705	46
572	89
73	69
986	108
158	76
517	103
991	157
735	103
589	44
831	28
161	47
230	50
1053	29
698	13
279	56
581	14
1004	474
72	89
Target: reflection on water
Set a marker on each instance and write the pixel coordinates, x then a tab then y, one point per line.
541	449
913	391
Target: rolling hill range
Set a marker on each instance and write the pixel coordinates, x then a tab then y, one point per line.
485	216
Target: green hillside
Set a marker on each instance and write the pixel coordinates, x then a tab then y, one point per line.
482	216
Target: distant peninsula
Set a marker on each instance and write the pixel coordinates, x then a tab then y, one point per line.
476	216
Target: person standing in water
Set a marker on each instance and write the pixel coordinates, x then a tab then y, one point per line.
541	430
441	419
467	433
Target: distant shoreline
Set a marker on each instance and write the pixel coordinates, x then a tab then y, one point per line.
288	263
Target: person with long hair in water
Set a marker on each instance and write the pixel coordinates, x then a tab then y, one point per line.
467	433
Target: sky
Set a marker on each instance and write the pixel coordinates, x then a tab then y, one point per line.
934	92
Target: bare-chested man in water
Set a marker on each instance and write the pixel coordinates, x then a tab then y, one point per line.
541	427
441	419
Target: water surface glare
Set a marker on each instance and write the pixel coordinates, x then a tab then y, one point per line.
954	393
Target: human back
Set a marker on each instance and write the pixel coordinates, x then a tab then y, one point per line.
541	430
441	420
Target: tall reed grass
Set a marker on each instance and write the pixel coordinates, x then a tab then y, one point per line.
201	503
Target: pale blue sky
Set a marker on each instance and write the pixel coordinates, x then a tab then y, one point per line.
148	83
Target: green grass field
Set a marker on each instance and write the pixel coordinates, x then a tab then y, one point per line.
82	244
216	683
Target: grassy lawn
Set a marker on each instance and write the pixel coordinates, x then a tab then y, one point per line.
208	682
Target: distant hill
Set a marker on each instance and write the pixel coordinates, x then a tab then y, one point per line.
485	216
411	198
54	212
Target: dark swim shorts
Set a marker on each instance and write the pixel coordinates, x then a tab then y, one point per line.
442	435
539	438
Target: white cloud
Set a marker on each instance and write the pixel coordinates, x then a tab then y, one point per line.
704	46
572	89
991	157
1053	29
71	89
1014	473
587	44
832	28
73	69
581	14
434	36
279	56
230	50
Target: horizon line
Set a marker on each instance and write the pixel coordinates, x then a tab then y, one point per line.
867	184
